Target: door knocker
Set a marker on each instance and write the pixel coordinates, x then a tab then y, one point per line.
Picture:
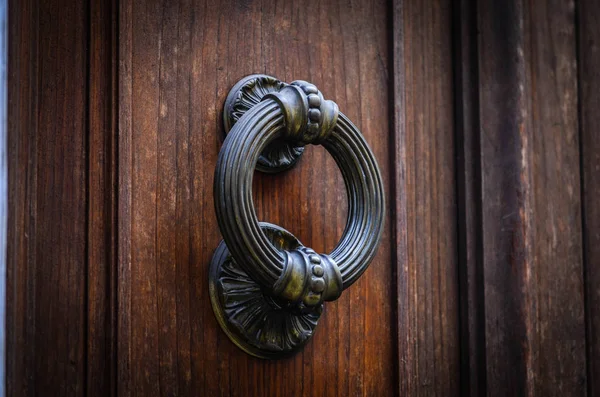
267	289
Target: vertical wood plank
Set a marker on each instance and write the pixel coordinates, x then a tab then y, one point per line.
178	60
47	196
124	201
589	96
559	340
531	219
22	105
424	202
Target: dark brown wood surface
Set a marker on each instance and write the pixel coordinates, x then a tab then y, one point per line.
424	202
178	61
589	117
519	192
47	258
483	118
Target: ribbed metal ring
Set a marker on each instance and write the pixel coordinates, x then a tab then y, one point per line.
298	275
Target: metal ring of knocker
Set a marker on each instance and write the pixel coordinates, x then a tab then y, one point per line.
266	288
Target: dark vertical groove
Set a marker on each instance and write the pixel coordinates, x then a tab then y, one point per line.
459	166
393	166
114	187
468	178
100	110
396	77
461	221
109	196
86	144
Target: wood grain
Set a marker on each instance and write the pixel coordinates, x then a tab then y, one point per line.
61	293
531	216
47	224
483	118
589	97
22	105
178	60
424	202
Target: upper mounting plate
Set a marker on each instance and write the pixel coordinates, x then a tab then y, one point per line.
278	155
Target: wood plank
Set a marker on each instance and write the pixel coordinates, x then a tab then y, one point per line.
589	96
531	218
124	203
178	59
22	104
424	203
47	199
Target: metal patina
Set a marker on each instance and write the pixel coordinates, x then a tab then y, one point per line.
267	289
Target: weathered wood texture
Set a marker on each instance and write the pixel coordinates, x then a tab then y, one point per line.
47	225
424	203
520	209
589	105
61	182
482	115
178	60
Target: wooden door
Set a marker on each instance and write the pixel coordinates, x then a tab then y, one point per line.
176	67
481	116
